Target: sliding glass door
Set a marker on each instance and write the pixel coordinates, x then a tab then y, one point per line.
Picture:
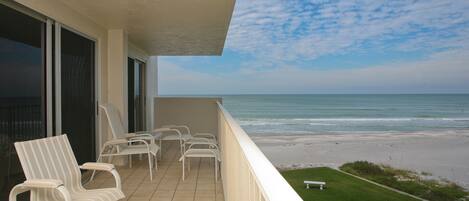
22	90
77	84
47	87
136	94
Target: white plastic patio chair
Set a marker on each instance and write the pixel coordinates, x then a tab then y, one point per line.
193	152
127	144
52	173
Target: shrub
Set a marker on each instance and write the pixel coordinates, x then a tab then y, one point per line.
407	181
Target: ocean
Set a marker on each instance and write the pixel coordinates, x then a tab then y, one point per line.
349	114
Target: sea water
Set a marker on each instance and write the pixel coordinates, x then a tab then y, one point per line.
349	114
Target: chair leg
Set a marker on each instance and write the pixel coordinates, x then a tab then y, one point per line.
149	165
181	145
216	169
161	148
110	157
130	161
156	163
183	168
94	171
189	165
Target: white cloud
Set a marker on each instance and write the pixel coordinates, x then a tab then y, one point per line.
444	72
289	30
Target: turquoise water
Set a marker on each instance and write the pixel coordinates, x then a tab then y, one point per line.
330	114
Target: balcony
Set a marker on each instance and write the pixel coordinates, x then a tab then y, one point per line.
246	174
167	184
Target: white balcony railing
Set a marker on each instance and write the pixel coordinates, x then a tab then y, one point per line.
247	174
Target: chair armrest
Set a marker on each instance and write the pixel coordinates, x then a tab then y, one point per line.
43	183
205	135
170	130
144	133
40	184
104	167
138	134
116	142
98	166
199	139
144	137
179	127
210	144
129	135
163	129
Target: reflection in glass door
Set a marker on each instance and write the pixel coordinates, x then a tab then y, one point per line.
22	90
136	95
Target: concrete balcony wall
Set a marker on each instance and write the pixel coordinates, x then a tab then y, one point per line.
200	114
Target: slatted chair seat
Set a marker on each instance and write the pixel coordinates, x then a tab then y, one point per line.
52	173
103	194
138	149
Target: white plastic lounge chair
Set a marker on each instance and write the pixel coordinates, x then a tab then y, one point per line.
119	132
52	173
186	133
193	152
183	134
117	127
127	144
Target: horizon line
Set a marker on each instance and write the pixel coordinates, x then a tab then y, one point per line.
234	94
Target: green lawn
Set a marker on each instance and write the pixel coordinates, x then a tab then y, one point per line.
339	187
407	181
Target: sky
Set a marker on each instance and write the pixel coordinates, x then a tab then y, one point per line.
336	46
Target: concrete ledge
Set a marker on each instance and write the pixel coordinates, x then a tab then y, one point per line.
199	113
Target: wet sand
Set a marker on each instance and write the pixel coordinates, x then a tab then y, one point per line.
443	154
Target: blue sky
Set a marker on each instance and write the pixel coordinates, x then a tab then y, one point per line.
340	46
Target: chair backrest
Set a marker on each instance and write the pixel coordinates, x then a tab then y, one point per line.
114	120
50	158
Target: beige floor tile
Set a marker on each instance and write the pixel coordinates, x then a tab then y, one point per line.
167	184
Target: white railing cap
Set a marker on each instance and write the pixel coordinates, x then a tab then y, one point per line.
273	186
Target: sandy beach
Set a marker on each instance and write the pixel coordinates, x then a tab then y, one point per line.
443	154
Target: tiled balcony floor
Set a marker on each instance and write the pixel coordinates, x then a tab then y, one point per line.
167	184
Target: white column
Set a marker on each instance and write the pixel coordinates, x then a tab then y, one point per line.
117	71
117	78
152	89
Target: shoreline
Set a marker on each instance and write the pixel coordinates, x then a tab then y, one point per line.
444	154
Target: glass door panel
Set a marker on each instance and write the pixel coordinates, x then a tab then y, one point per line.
136	95
131	93
22	90
78	106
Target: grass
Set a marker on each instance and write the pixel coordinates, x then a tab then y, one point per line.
339	186
407	181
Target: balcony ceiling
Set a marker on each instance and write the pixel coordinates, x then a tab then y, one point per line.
164	27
